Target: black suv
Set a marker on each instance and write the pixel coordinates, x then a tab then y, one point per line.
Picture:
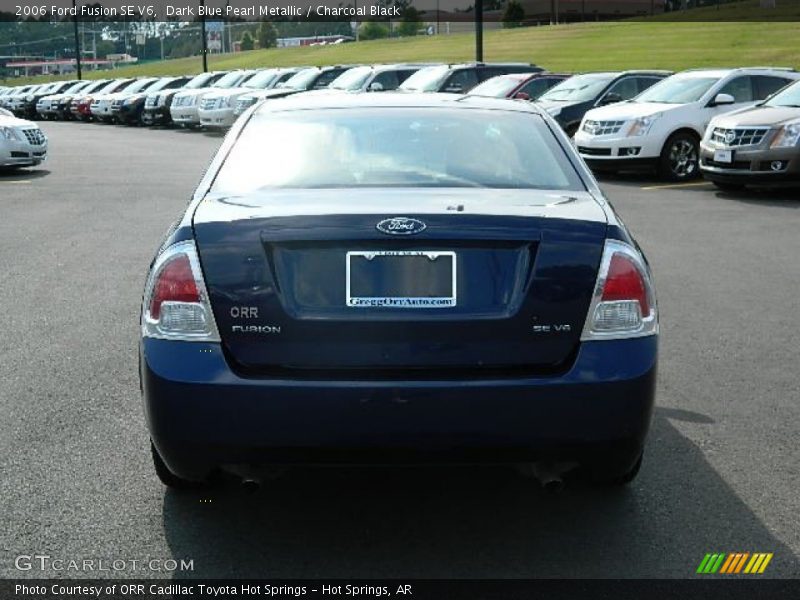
27	109
459	79
130	111
157	104
568	101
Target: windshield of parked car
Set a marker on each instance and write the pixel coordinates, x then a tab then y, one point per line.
160	84
261	79
95	86
580	88
199	81
426	80
789	96
497	87
302	80
140	85
352	79
231	79
397	147
115	86
678	89
76	87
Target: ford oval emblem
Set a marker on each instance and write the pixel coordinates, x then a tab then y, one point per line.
401	226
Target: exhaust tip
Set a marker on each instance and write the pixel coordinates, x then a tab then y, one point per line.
250	486
553	486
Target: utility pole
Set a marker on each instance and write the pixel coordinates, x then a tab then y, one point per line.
479	30
203	33
77	42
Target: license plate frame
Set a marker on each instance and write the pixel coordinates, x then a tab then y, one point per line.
723	156
401	302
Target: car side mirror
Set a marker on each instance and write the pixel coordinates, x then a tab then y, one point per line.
522	96
610	98
375	86
722	99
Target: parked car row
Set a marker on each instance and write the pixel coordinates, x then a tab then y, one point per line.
678	124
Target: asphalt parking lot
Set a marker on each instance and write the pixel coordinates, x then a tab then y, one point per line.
76	482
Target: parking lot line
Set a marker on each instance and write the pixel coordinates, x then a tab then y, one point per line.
668	186
17	182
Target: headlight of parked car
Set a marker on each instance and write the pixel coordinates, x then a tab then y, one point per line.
788	135
642	125
8	133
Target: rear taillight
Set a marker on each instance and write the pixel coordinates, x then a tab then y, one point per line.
176	305
624	303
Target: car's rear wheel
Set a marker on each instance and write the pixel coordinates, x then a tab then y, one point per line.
729	187
168	478
611	474
679	159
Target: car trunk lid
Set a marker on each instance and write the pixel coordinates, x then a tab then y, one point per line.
277	267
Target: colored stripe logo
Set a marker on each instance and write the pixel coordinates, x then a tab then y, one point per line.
734	563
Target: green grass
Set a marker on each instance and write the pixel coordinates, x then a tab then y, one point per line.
746	10
575	47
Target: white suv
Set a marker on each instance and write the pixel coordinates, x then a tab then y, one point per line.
22	143
662	127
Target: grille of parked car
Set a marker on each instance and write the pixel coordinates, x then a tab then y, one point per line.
242	104
602	127
210	103
739	136
594	151
34	136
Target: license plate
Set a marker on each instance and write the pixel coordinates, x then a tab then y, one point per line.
401	279
723	156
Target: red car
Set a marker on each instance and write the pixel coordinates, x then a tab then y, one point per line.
522	86
80	105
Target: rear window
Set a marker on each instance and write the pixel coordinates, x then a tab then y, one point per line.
396	147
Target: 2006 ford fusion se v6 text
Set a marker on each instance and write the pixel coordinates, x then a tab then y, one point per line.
402	278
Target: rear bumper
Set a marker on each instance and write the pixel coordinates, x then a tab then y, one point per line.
202	416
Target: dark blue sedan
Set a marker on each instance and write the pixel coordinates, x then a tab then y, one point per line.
402	278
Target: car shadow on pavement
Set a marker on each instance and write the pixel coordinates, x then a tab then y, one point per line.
767	197
12	175
473	522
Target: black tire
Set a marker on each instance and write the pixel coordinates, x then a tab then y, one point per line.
729	187
680	157
168	478
608	475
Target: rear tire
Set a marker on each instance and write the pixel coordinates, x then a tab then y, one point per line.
168	478
680	157
609	475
